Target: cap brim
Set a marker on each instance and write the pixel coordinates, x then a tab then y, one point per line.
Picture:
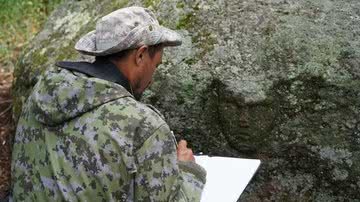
169	37
87	44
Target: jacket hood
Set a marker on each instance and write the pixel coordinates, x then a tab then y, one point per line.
61	95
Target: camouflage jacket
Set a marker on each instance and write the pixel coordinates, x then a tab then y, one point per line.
88	139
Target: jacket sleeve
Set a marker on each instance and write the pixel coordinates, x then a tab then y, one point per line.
160	177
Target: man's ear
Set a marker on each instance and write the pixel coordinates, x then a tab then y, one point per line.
140	55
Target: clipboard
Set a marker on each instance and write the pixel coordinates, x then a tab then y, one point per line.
226	177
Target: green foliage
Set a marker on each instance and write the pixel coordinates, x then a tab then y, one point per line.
19	21
151	3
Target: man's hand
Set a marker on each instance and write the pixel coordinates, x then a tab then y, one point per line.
184	153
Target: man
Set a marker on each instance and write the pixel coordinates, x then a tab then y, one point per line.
83	134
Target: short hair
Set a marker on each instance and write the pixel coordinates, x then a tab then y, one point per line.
122	54
154	49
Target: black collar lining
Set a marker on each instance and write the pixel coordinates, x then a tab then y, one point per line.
102	69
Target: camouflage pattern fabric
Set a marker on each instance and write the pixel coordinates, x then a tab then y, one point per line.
81	138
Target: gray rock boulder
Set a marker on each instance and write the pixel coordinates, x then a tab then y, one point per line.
276	80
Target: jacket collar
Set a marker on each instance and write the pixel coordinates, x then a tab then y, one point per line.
101	68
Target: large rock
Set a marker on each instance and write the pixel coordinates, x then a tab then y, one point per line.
271	79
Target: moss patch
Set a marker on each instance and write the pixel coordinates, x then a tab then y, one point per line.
151	3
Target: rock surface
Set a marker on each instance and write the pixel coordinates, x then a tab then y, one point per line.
271	79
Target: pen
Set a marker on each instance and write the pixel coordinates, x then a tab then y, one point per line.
173	136
172	133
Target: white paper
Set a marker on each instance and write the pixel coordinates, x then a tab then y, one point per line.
226	177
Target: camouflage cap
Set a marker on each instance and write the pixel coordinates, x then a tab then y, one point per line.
124	29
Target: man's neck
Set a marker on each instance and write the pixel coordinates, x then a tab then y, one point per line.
127	69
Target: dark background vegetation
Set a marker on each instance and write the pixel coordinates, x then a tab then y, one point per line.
19	21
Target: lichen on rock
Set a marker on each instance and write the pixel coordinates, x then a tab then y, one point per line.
271	79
